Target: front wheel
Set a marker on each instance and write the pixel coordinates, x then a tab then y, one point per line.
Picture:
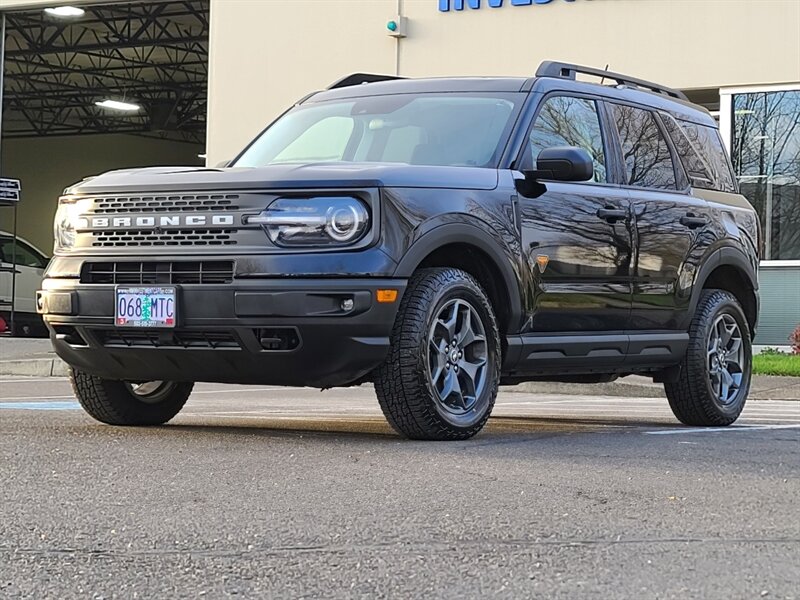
440	379
714	379
127	403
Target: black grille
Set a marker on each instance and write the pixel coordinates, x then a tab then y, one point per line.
156	273
179	237
165	203
125	338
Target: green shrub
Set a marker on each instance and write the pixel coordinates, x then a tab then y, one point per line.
768	351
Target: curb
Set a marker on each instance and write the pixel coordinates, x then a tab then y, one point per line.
34	367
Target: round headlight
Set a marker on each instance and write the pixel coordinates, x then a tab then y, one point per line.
343	223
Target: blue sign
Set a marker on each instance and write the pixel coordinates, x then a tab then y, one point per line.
448	5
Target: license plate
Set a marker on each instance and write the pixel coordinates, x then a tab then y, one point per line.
146	307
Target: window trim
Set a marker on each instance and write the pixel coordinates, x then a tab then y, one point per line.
518	163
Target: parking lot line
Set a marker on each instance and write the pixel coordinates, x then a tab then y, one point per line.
731	429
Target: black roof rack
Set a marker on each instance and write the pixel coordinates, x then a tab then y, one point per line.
560	70
359	78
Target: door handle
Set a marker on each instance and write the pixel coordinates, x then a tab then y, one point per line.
692	221
612	215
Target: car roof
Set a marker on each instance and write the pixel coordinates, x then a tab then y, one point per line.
388	85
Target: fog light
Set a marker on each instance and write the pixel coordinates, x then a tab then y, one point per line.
347	304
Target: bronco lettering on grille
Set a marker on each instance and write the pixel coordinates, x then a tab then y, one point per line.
152	222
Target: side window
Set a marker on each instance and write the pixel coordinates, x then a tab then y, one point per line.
711	143
26	256
701	151
685	140
568	121
648	162
326	140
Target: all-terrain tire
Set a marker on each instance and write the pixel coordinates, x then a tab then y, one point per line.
115	403
692	397
403	383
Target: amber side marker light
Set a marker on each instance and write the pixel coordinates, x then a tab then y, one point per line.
386	296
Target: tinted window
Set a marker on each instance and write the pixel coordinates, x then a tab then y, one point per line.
703	156
567	121
648	162
453	129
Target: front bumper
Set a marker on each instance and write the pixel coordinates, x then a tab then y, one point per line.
261	331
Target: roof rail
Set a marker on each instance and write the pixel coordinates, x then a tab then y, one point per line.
560	70
360	78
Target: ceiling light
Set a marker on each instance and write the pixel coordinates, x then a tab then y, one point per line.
117	105
65	12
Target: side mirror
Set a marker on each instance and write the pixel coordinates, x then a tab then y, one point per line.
564	163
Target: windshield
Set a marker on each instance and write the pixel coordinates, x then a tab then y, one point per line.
452	129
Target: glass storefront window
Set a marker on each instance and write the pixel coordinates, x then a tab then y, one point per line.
765	149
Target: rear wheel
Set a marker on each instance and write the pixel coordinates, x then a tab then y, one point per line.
128	403
715	373
440	379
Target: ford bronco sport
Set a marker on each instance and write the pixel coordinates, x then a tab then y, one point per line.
438	237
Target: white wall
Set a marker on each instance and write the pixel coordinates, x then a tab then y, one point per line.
267	54
46	166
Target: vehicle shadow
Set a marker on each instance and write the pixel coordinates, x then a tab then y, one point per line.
376	428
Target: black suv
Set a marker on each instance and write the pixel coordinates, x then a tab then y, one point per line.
438	237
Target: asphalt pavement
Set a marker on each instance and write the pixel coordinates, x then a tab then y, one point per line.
275	492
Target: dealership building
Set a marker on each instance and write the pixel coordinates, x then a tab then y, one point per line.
202	77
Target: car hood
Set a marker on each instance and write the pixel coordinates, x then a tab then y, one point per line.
317	175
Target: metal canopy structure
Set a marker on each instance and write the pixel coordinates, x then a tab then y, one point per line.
154	54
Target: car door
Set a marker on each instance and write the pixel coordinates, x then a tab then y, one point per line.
576	236
30	270
669	222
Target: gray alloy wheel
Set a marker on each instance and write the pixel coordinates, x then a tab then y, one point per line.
151	392
725	359
457	357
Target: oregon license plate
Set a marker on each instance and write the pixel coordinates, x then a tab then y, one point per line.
146	307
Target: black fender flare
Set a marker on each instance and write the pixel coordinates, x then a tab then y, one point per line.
465	233
721	257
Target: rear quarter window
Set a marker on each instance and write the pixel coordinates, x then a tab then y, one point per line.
703	156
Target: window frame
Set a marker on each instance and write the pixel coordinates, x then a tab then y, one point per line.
519	161
682	185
